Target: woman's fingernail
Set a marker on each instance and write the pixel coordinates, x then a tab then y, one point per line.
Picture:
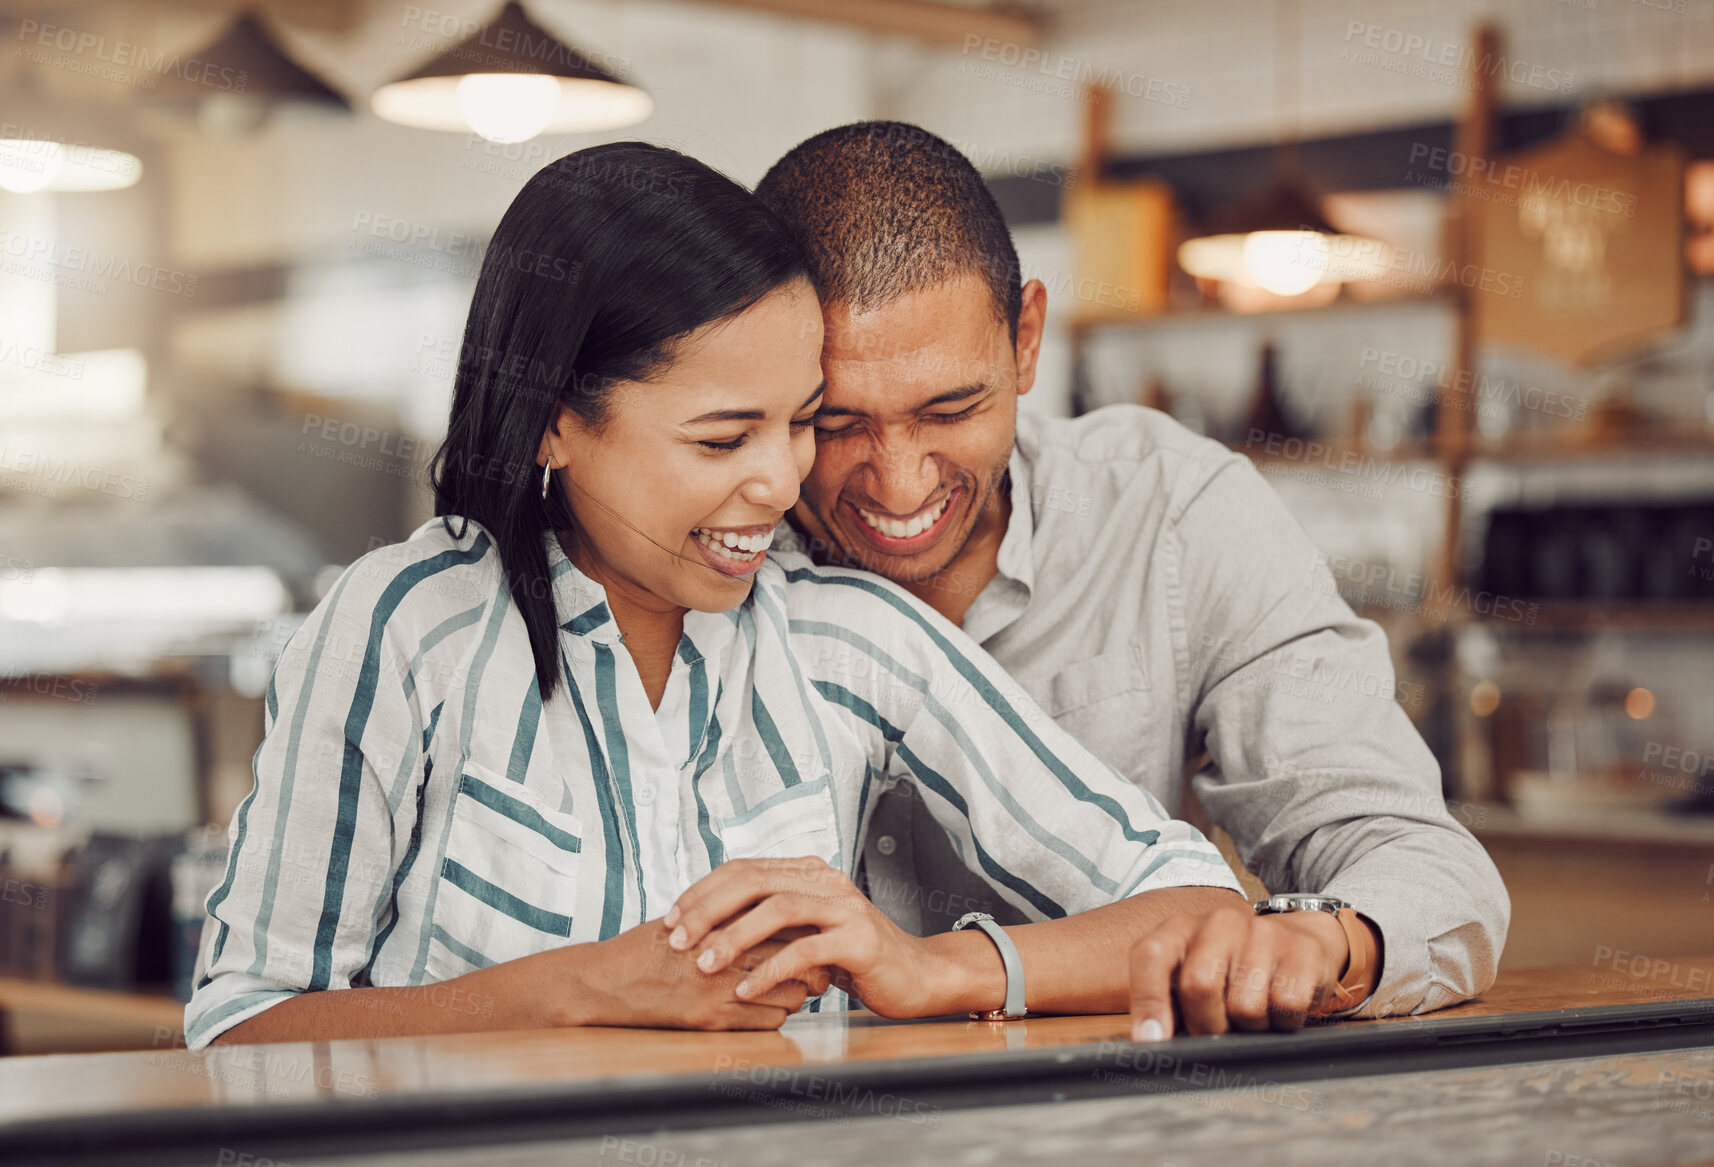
1149	1030
743	989
671	917
707	960
680	938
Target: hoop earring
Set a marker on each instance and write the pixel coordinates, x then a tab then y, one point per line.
547	477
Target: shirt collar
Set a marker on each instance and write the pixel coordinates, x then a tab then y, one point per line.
1016	560
580	604
580	607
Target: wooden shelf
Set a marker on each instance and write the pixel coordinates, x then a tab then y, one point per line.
1592	616
1331	452
1577	445
1084	325
1494	820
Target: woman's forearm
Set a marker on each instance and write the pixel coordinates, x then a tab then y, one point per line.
634	979
485	999
1079	964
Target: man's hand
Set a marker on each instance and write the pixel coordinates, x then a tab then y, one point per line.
743	902
1234	969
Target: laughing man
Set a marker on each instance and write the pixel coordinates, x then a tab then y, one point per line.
1145	585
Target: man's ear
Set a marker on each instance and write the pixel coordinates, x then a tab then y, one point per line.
1032	321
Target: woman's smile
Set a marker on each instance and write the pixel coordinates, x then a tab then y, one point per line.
737	551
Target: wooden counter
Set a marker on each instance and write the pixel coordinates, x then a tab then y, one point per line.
371	1094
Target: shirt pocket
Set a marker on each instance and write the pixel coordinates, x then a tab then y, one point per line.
795	823
508	880
1105	703
1102	677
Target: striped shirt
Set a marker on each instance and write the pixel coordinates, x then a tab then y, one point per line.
419	812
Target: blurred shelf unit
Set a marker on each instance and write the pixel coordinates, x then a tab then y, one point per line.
1582	617
1584	492
1083	325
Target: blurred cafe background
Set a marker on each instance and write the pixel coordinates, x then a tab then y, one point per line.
1444	269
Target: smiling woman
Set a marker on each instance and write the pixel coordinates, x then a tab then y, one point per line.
603	757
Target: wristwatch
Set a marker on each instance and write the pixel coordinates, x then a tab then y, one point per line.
1014	1007
1348	993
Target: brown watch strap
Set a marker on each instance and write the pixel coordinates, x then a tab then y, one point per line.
1358	967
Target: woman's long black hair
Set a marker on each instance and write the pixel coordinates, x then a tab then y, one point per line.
604	258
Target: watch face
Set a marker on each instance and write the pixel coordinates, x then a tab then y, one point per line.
1297	901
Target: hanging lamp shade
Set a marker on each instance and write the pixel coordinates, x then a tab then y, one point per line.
510	81
1282	243
246	64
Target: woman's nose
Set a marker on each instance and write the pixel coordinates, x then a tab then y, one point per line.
776	481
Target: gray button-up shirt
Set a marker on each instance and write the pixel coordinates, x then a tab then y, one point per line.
1159	601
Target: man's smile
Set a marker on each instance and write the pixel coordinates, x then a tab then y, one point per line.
904	534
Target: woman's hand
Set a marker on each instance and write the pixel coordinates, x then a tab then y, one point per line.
638	979
740	904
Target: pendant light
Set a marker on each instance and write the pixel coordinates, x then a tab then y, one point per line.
510	81
246	75
1280	242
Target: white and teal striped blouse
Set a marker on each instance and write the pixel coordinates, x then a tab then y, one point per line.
419	812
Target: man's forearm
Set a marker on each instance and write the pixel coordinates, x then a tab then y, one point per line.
1079	964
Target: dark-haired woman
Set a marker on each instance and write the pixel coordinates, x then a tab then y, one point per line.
581	751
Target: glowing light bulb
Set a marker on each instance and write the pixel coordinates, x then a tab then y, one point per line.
1286	263
27	166
508	107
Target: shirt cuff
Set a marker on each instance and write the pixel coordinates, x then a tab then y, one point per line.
224	1002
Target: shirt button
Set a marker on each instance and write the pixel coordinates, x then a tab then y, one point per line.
645	796
886	845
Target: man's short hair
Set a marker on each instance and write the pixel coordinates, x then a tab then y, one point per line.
886	208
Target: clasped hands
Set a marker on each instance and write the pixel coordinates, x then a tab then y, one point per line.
763	935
